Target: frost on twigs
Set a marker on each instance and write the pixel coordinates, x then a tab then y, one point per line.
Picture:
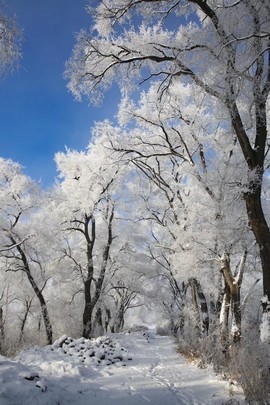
265	324
10	38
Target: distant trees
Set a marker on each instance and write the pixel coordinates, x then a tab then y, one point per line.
67	250
191	193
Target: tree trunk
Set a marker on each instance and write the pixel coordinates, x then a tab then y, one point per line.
88	305
2	329
88	310
90	298
203	307
27	310
232	296
262	235
202	310
119	320
108	318
236	315
98	327
43	305
224	316
255	159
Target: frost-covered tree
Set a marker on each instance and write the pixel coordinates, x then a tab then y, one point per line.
85	204
192	195
21	249
10	38
221	49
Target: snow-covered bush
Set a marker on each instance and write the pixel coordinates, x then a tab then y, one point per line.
250	367
163	330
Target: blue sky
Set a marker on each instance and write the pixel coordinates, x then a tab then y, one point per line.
38	115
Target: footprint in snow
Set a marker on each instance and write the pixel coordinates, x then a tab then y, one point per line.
132	390
107	373
104	388
145	398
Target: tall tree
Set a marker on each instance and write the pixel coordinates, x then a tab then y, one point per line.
87	211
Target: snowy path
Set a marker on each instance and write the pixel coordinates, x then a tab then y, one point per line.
155	375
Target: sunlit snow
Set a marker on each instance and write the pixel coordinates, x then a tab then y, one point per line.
128	368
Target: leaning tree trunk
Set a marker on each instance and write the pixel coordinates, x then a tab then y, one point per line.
24	320
38	292
232	296
43	305
44	310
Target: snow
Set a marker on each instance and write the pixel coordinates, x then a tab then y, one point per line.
264	300
265	328
137	368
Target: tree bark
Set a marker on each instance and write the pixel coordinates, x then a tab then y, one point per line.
262	235
202	310
2	329
232	295
88	310
224	316
88	305
255	159
91	298
27	310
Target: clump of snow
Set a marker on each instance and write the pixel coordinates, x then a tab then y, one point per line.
265	323
100	351
264	300
265	328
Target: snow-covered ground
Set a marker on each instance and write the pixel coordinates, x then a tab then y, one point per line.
123	369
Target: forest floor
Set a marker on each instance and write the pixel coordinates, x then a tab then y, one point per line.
123	369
